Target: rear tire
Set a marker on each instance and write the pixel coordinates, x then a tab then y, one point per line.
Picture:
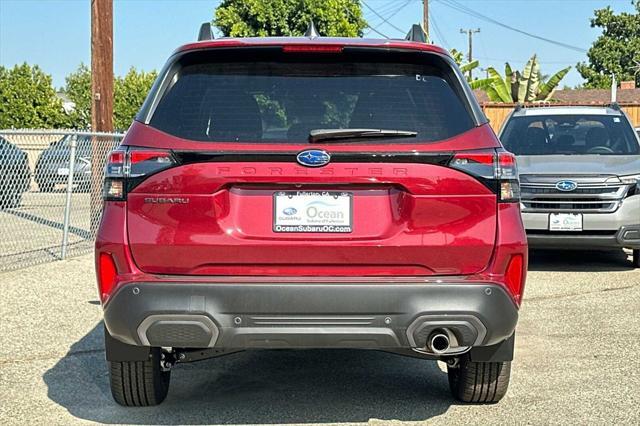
139	383
635	258
479	382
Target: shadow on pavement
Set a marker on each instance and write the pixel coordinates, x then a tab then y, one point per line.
579	260
260	387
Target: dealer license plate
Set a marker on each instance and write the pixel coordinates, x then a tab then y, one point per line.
312	211
565	222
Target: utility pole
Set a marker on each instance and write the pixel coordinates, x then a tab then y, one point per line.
102	65
101	96
425	19
470	32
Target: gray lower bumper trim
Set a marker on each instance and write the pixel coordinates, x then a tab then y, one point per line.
626	236
308	315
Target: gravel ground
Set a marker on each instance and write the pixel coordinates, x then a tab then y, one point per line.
576	361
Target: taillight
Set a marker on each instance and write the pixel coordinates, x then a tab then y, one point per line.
507	175
107	274
496	169
128	167
514	276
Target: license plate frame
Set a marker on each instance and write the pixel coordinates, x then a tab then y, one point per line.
332	210
566	222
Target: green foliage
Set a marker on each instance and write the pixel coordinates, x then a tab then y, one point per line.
28	99
615	51
465	67
130	92
272	111
526	86
457	56
260	18
78	90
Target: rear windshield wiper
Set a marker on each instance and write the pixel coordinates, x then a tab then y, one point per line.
329	135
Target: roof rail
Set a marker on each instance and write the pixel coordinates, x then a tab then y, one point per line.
416	33
311	32
205	33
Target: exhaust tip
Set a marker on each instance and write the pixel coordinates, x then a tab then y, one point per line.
439	342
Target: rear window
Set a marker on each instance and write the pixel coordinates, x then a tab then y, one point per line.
570	134
284	101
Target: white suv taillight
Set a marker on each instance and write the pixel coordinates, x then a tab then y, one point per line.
127	167
496	169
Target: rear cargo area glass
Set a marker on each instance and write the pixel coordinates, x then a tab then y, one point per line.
284	101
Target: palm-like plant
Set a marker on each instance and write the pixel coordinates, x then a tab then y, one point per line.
465	67
526	86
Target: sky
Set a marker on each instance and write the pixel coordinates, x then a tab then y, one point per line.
55	34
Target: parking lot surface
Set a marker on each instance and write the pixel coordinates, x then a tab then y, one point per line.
36	228
577	350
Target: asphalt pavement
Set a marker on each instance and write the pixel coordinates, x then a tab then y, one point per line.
577	350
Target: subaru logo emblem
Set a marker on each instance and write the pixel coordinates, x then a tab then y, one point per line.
313	158
566	185
290	211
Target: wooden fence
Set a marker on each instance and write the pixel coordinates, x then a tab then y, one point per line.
497	112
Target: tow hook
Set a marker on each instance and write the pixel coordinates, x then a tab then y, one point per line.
169	359
452	362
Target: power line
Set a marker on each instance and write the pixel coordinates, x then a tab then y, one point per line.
393	10
466	10
368	26
388	7
384	20
439	33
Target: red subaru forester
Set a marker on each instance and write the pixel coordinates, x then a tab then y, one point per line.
310	192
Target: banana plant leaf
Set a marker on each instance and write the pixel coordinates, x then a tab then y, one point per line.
481	83
547	88
529	81
508	72
457	56
493	94
500	85
469	66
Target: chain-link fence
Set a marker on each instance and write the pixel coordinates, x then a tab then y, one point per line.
50	193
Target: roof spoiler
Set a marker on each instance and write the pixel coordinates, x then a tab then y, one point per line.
416	33
205	33
614	106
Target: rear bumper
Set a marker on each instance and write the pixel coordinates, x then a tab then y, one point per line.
624	237
309	315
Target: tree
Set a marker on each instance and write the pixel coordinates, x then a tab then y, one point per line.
78	90
616	51
259	18
130	92
530	85
28	99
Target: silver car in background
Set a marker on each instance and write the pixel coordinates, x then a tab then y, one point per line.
579	175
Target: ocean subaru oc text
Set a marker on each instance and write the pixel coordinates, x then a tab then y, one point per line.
310	192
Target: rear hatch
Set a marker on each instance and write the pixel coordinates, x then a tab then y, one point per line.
225	179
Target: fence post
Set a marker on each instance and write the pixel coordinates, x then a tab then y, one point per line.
67	207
